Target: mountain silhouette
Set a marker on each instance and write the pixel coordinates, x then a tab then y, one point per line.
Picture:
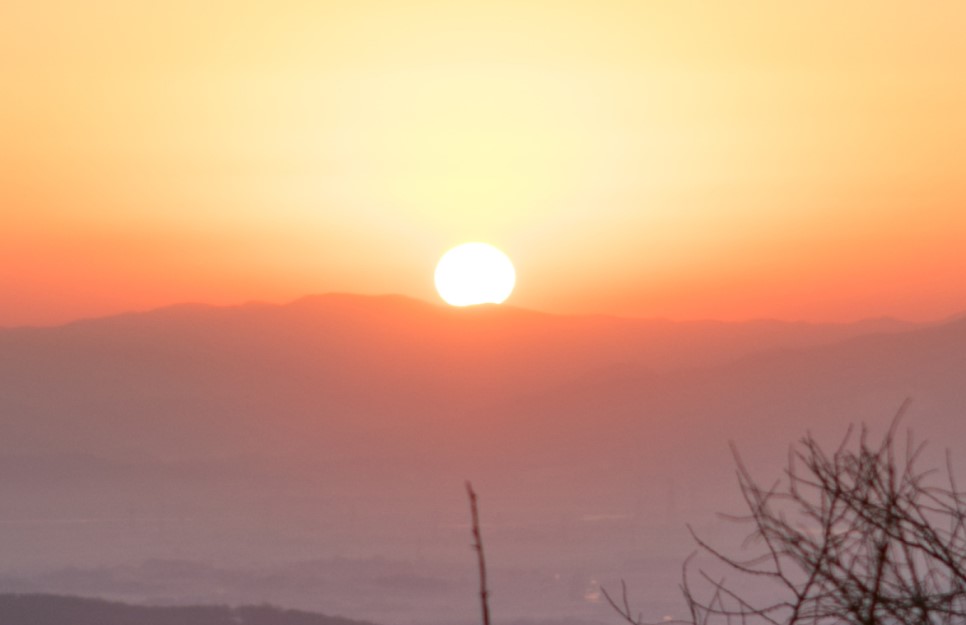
196	382
343	425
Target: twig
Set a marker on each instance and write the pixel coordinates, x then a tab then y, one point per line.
478	546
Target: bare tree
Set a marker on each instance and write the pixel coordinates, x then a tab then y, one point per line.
859	536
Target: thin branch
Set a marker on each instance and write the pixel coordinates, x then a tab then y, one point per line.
478	546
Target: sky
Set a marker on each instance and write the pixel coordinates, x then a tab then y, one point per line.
723	160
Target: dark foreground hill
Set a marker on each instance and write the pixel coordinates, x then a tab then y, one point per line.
41	609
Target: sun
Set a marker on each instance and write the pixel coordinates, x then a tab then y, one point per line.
474	273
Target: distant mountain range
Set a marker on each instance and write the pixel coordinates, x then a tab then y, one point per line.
344	426
197	383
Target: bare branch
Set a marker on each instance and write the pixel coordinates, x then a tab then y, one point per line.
859	535
478	546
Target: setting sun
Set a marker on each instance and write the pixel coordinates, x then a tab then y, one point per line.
474	273
260	322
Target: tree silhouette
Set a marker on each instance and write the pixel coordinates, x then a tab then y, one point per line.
857	536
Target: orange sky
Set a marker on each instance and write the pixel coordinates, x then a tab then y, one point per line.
799	160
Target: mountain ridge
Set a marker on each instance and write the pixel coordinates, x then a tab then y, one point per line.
346	425
320	356
882	322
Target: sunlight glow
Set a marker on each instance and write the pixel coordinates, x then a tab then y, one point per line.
474	273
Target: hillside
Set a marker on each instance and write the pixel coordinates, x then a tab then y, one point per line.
313	454
193	382
41	609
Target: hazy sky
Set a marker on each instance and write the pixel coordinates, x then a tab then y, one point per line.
800	160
